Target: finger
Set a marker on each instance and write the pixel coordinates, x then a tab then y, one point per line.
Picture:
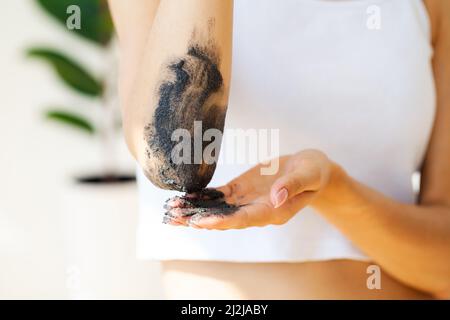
288	186
257	214
204	194
184	212
252	215
206	198
177	202
173	221
217	221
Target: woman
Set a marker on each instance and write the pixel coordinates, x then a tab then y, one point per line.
360	93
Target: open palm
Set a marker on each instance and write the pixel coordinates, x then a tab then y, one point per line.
253	199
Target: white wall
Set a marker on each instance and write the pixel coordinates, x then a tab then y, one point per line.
38	158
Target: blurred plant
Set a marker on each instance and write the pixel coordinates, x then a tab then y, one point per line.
96	27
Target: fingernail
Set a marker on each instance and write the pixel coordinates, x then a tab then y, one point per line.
280	197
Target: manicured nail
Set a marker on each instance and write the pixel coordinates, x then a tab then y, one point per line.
280	198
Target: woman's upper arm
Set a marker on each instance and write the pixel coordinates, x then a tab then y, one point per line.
435	186
133	19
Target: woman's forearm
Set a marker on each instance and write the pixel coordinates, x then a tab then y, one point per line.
183	77
411	242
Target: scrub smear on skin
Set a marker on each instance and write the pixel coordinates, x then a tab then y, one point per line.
195	206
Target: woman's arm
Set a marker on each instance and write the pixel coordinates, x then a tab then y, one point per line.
412	242
132	24
182	76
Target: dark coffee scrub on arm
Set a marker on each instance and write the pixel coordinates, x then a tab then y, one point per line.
189	93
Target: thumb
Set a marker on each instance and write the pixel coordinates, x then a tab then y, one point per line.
294	183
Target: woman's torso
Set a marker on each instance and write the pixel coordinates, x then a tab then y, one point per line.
351	78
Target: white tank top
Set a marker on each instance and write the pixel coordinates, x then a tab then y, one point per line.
351	78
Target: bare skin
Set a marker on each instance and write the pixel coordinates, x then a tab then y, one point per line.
336	279
311	178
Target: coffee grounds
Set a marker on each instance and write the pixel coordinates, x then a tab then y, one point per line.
201	204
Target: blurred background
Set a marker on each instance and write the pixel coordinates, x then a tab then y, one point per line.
68	201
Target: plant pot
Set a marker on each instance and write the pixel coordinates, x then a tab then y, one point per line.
99	224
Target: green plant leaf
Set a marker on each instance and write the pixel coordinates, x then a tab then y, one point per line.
73	74
95	19
71	119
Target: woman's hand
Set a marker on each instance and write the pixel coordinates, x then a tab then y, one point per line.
266	199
